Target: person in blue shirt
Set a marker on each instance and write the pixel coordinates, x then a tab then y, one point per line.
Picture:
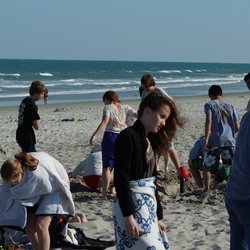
237	192
222	122
195	163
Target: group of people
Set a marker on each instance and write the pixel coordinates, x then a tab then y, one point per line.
38	185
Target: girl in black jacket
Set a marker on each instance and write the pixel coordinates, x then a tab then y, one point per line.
137	210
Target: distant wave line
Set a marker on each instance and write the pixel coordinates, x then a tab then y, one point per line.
19	75
170	83
186	85
118	89
15	74
71	92
180	71
198	80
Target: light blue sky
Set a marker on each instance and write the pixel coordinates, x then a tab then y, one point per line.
138	30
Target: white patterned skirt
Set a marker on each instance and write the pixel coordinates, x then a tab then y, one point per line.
143	194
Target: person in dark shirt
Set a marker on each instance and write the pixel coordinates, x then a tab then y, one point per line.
136	209
28	117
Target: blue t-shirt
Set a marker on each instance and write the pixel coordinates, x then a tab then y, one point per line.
224	116
197	150
238	184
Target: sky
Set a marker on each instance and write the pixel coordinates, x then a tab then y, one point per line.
138	30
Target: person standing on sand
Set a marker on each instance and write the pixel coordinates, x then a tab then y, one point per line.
222	122
148	85
113	121
237	192
137	211
28	118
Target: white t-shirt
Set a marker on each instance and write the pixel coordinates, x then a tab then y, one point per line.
118	115
157	90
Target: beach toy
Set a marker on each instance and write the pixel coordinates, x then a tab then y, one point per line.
183	173
60	218
74	119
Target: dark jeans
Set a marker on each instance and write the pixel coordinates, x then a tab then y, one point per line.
239	218
28	148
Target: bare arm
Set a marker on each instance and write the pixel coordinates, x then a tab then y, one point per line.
236	126
36	124
100	128
79	169
207	130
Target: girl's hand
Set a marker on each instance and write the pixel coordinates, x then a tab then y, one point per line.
162	227
131	227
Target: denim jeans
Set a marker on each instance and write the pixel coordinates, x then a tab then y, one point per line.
239	218
28	148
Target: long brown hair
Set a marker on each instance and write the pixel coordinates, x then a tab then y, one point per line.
111	96
12	167
162	139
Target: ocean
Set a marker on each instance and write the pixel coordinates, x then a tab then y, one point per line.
79	81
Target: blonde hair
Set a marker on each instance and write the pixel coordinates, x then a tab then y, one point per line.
11	168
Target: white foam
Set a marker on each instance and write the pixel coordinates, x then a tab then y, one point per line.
15	74
169	71
45	74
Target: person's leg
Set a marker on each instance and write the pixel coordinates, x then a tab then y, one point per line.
195	173
78	218
112	188
227	154
42	228
105	182
166	161
211	164
108	148
206	178
157	160
30	229
83	217
239	218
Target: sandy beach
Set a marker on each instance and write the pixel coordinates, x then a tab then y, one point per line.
194	220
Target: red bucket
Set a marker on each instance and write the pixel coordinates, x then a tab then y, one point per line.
183	172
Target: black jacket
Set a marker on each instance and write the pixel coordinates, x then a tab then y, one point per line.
130	164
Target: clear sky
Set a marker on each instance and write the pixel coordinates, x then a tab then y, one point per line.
132	30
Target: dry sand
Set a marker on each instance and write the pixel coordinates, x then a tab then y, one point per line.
194	220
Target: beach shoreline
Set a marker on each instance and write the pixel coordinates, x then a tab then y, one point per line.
194	220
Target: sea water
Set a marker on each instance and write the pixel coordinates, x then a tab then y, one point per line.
79	81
